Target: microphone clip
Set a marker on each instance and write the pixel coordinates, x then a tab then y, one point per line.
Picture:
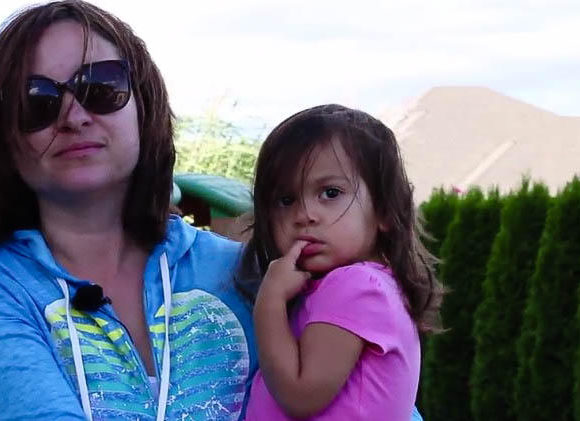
89	298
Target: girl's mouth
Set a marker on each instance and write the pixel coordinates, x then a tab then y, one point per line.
311	249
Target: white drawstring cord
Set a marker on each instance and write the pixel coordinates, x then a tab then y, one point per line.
77	354
165	365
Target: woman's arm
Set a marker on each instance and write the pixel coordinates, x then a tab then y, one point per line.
32	385
303	376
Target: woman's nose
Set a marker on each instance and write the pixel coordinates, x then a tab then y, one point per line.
73	116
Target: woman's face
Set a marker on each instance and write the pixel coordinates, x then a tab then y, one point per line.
81	152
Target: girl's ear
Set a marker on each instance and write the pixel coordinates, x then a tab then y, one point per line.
384	227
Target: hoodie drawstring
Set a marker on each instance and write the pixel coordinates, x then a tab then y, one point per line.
77	354
166	362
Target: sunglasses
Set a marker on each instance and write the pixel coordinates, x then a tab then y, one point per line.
101	87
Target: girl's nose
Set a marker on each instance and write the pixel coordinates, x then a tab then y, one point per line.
305	214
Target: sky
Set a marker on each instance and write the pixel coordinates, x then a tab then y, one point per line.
255	62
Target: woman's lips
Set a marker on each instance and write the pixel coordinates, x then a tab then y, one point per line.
79	149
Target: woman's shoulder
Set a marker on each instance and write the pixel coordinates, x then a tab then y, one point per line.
26	263
182	238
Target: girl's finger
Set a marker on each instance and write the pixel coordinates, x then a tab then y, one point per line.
294	253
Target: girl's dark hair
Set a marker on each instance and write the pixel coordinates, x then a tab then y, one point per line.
146	208
375	155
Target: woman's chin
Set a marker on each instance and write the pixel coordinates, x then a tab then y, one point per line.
82	184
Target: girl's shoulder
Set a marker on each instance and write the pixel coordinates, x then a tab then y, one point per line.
363	298
359	282
365	266
361	274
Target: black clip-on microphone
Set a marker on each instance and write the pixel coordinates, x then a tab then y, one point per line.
89	298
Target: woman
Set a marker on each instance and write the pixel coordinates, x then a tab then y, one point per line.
110	308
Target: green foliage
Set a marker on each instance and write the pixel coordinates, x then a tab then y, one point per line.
523	406
547	354
437	214
498	317
449	356
210	145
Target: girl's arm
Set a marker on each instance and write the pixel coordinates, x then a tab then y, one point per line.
303	376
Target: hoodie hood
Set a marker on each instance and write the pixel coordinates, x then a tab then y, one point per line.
178	240
31	244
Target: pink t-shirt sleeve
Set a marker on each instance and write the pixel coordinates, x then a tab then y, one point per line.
364	299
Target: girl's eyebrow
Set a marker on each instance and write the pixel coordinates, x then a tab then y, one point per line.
331	178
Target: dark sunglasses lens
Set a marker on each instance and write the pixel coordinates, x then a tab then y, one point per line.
104	87
42	104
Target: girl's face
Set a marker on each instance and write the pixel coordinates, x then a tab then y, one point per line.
331	208
81	152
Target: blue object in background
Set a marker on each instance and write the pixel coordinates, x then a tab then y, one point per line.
416	416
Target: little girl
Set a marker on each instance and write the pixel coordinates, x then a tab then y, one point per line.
346	284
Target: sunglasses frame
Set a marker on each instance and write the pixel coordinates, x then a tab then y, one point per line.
72	85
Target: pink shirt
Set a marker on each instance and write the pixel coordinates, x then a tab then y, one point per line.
363	298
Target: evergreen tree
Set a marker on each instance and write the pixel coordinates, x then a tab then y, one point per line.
449	356
553	305
498	317
436	214
525	407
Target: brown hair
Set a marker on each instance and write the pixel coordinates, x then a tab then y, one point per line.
375	156
146	206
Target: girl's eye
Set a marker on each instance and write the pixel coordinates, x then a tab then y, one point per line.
285	201
330	193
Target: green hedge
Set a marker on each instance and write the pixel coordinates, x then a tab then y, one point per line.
549	359
449	356
499	315
436	214
512	351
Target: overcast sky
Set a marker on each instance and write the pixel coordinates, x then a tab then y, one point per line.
274	57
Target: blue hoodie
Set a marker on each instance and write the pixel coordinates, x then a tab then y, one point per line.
213	354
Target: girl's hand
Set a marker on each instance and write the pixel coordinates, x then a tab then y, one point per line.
283	279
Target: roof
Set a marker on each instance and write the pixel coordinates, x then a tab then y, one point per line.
225	197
